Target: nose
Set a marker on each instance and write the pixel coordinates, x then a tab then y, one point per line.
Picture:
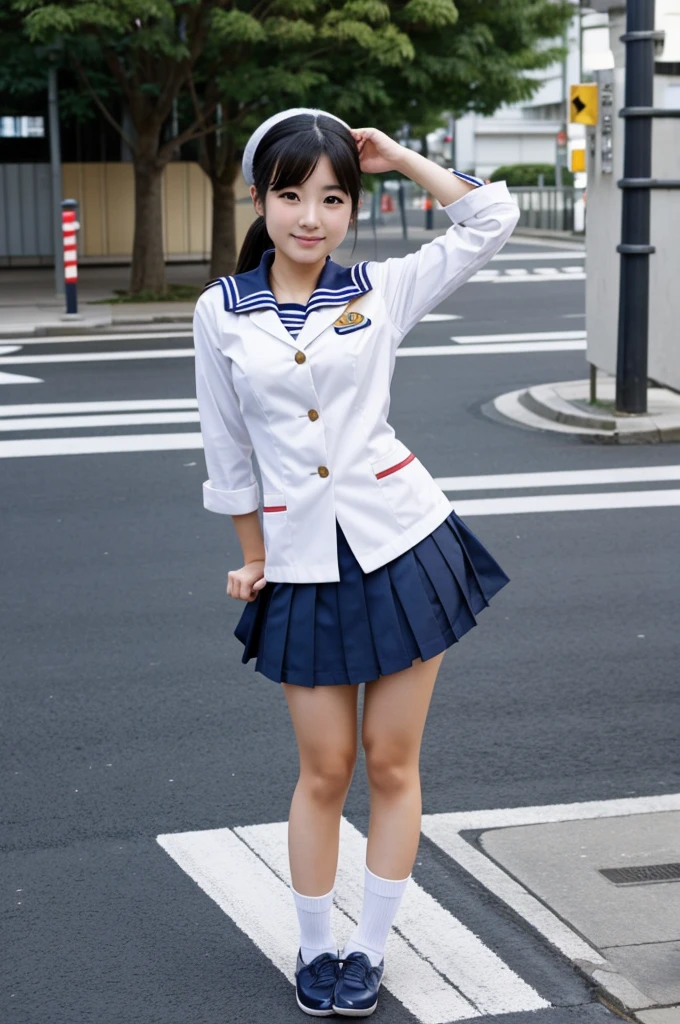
309	215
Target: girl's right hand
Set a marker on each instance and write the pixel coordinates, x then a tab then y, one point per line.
246	583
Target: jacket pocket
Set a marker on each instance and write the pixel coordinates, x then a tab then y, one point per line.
275	527
406	484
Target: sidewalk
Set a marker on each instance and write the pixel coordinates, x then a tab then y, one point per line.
564	407
614	881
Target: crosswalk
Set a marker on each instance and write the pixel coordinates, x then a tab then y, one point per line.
529	275
435	966
439	969
99	428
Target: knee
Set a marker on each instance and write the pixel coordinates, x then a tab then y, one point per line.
388	772
329	779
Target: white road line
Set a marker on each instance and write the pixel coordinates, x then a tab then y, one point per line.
71	339
428	996
534	278
186	353
502	348
98	357
133	405
476	339
567	503
111	420
160	335
564	478
526	257
17	378
445	829
104	444
435	966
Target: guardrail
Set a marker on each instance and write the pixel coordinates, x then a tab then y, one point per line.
550	208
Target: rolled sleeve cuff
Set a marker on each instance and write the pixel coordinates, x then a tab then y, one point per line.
235	503
470	178
472	202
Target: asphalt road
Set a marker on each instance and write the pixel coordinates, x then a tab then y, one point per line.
127	714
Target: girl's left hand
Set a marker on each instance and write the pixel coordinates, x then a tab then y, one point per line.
377	151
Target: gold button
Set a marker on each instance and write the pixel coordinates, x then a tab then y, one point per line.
313	414
323	471
300	357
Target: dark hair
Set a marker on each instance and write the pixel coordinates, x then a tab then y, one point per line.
287	155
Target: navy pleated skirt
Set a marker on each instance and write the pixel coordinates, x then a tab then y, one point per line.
370	624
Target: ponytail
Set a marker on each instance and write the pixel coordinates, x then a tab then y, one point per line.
255	244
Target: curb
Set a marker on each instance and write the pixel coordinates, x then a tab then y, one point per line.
563	407
92	325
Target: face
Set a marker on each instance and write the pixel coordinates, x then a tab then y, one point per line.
306	222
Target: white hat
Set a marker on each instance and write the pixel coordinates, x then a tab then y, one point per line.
259	133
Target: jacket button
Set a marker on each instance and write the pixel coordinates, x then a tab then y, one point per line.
300	357
313	414
323	471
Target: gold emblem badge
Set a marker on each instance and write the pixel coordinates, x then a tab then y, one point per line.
349	320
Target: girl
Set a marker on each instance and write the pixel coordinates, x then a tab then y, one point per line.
360	572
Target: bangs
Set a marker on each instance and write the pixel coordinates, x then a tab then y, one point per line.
295	157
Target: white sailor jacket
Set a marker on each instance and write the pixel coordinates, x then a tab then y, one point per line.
314	409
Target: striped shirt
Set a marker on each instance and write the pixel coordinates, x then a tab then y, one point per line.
293	315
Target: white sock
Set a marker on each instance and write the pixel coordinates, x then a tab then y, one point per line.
314	915
382	897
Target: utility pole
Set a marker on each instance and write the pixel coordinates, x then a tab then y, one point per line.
55	170
635	250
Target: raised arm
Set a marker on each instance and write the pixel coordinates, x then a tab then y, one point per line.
483	218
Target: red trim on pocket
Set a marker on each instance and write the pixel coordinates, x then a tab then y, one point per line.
399	465
274	508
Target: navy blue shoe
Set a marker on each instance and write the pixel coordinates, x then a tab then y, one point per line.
356	993
315	983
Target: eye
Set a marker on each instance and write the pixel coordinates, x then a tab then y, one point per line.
288	195
334	200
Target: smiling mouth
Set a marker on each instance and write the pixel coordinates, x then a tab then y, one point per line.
307	238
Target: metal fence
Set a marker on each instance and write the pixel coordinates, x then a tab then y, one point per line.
550	208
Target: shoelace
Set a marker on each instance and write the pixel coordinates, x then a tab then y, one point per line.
355	969
324	971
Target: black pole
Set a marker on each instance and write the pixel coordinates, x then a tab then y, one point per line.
633	327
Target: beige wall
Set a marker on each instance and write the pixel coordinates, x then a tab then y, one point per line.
105	193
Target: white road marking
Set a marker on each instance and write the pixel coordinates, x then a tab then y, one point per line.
482	348
99	445
533	278
564	478
438	318
485	349
6	349
567	503
71	339
111	420
132	405
529	257
435	966
445	830
476	339
18	378
99	357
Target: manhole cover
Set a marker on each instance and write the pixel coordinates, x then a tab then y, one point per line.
647	873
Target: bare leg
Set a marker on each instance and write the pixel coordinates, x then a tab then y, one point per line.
325	724
395	711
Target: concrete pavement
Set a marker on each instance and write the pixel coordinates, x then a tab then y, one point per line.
613	880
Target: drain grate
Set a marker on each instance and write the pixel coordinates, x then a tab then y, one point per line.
640	875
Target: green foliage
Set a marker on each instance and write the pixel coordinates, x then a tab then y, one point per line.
527	174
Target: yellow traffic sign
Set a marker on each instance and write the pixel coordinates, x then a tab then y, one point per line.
583	103
578	159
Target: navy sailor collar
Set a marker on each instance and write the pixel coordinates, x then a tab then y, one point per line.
337	285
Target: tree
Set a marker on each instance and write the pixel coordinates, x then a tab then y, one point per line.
150	48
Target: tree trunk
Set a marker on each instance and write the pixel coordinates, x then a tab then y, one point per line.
148	261
223	254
